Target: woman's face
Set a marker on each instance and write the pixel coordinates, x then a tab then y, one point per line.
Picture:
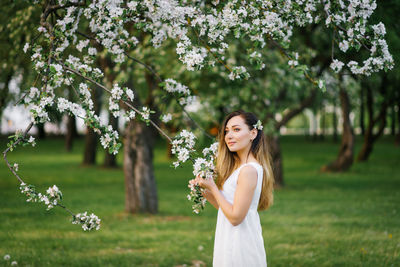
237	134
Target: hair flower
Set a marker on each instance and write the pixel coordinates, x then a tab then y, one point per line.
258	125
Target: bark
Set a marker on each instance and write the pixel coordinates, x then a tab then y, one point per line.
276	156
41	131
344	159
393	120
71	133
89	156
110	159
4	95
397	140
140	184
370	137
362	122
139	139
323	123
335	124
107	65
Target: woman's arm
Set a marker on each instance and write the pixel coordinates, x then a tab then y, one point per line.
210	198
246	184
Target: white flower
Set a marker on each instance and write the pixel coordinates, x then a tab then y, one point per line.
14	263
130	94
258	125
166	118
344	45
26	47
320	84
15	167
92	51
34	92
41	29
82	44
7	257
89	222
336	65
32	141
145	113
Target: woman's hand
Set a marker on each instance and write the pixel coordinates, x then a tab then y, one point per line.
208	184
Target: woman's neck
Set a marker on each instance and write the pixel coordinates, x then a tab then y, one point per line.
245	156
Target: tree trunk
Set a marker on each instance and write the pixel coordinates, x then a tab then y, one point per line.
4	95
110	159
276	156
370	137
397	140
335	124
71	132
362	122
41	132
393	120
344	159
140	184
89	156
323	123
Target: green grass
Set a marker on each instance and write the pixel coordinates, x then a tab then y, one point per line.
348	219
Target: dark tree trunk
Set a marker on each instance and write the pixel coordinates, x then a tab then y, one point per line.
393	120
362	122
41	131
140	184
335	124
323	123
110	159
139	140
71	132
344	159
4	95
370	137
276	156
397	140
89	155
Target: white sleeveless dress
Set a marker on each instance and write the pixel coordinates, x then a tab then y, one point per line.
241	245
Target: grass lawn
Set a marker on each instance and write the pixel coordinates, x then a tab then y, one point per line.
348	219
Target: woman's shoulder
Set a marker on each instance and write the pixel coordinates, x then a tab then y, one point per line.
250	167
253	163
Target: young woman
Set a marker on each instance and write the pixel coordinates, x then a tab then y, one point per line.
244	185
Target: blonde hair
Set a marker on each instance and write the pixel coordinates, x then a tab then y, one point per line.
228	161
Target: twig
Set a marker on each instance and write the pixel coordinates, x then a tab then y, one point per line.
8	149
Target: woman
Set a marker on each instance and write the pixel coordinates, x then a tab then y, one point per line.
244	184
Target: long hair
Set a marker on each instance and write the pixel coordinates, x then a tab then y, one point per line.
228	161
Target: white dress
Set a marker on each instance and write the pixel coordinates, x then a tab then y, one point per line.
241	245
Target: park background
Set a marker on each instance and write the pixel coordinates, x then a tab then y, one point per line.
327	212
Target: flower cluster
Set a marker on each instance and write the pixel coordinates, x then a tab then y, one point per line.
239	72
166	118
205	168
258	125
52	197
183	146
181	91
89	222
